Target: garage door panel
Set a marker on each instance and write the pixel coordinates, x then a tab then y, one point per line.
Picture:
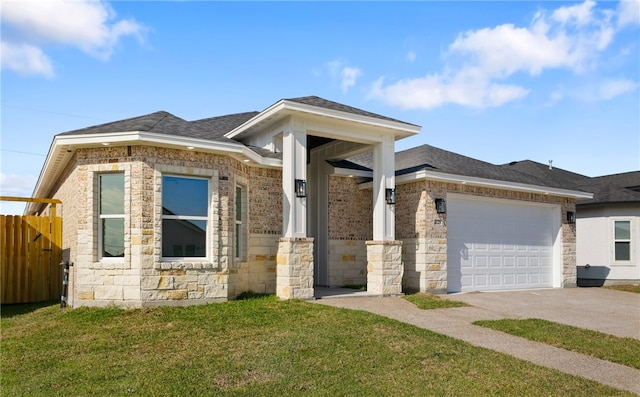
498	245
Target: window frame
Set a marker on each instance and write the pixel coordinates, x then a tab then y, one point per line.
240	242
205	218
620	240
102	217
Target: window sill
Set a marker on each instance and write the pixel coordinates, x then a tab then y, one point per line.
165	265
110	264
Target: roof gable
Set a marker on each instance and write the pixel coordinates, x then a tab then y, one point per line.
327	104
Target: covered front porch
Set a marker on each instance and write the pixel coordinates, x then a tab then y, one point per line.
313	136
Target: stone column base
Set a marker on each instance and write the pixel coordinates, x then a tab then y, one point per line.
384	267
294	268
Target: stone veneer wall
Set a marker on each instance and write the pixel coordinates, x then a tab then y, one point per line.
295	268
424	234
350	224
348	262
142	278
68	193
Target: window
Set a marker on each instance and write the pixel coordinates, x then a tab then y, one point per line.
111	214
185	206
622	240
240	219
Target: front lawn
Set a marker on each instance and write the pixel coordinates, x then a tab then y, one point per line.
623	351
426	301
254	347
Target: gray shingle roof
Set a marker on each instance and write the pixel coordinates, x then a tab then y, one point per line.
621	188
327	104
165	123
543	171
218	126
431	158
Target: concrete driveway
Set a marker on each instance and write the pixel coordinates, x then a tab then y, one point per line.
600	309
609	311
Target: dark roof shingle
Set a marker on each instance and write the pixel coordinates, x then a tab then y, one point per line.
434	159
327	104
623	188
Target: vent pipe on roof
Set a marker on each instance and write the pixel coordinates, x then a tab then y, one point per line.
550	164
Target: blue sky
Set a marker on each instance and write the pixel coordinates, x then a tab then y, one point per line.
497	81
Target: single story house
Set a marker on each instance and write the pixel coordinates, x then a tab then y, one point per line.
158	210
607	224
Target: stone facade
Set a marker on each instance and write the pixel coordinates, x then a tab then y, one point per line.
142	277
267	263
295	268
384	267
347	262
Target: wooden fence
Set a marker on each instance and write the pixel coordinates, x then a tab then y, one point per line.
30	256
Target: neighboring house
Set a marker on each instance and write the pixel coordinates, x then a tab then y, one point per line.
609	230
608	225
158	210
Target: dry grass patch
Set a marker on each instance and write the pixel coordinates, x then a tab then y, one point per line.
628	288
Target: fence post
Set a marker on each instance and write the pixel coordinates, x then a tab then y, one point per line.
65	283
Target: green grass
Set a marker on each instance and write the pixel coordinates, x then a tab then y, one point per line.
428	301
259	347
627	287
359	287
625	351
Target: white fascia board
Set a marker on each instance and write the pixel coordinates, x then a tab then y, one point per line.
61	150
257	119
337	114
492	183
146	137
288	106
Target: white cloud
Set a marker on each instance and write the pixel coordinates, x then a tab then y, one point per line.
479	61
17	185
580	14
411	56
346	75
612	88
25	59
628	13
436	90
349	77
90	26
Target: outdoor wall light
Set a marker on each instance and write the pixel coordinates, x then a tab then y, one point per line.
571	217
390	196
441	206
301	188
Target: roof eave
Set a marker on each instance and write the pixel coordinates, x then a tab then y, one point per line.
63	147
287	108
484	182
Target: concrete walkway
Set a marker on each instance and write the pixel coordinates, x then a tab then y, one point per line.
613	312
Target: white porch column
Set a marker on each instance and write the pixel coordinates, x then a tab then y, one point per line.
294	166
294	262
383	178
384	254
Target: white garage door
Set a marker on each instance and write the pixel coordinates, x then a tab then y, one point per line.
498	244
